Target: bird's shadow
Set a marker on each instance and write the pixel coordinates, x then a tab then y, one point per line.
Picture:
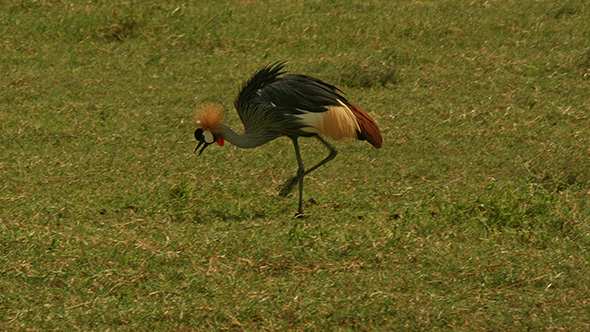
287	187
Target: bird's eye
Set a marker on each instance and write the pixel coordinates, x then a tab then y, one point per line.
208	136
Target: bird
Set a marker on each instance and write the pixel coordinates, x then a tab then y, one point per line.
273	103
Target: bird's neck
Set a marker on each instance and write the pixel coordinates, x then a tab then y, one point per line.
246	140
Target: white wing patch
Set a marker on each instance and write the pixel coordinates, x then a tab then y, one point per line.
312	120
338	122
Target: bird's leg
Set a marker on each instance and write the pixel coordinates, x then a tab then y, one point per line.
332	155
300	175
288	186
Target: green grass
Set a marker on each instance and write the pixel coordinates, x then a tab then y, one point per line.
473	216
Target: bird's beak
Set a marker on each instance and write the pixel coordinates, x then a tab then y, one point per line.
204	144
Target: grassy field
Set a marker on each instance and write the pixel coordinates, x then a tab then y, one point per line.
475	215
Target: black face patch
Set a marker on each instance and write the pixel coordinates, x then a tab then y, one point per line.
201	137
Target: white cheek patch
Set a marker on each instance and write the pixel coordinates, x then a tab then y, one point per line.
208	136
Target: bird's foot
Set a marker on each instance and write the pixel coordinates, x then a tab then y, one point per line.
299	215
288	186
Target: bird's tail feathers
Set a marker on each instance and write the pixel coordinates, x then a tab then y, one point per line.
210	116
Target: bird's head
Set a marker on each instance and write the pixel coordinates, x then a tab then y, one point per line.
209	119
206	138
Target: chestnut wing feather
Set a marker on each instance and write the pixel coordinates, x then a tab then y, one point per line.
369	129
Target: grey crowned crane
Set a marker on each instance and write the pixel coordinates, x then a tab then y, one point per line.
272	104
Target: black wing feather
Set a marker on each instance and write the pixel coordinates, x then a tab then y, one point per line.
270	99
300	92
